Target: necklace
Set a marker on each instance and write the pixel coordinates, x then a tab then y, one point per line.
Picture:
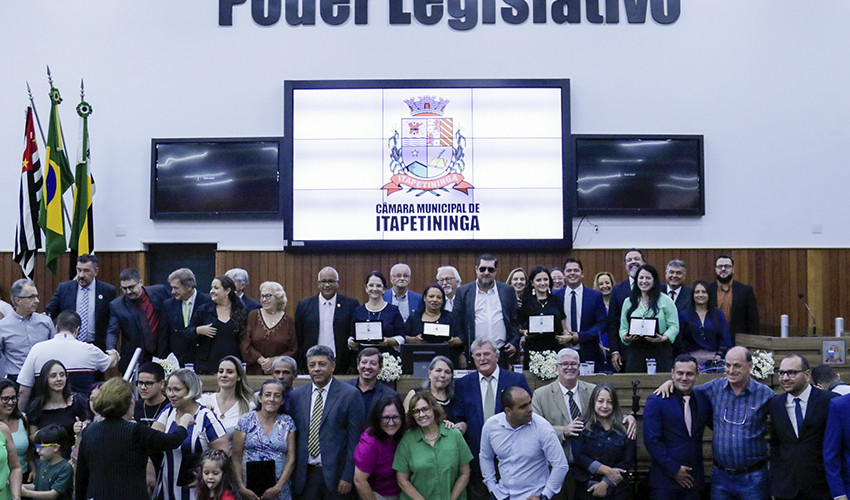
158	408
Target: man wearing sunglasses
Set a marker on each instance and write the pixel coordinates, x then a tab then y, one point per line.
740	410
486	310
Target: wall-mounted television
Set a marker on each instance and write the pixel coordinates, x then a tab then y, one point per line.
426	164
639	175
221	178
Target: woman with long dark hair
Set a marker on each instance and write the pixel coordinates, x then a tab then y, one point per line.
54	403
374	476
219	325
704	333
17	424
538	300
603	451
648	306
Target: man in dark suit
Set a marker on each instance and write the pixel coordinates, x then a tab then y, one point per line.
797	434
134	319
179	312
836	448
325	319
675	287
330	415
486	309
633	259
406	300
735	299
477	396
585	313
240	279
89	297
370	362
672	431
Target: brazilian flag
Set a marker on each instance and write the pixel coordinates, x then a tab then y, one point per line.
58	178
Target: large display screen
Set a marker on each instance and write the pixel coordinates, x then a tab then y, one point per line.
225	178
639	175
427	164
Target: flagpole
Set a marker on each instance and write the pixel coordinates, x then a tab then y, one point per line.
64	149
35	113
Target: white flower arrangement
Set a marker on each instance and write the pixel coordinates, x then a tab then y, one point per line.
543	364
392	368
763	364
169	364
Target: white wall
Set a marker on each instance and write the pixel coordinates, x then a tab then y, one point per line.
766	81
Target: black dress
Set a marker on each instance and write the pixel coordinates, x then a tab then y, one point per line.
532	306
225	343
63	417
415	326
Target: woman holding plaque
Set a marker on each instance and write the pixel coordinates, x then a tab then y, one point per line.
432	324
649	324
377	322
541	316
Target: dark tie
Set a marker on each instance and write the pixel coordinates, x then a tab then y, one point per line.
673	295
575	412
798	412
573	313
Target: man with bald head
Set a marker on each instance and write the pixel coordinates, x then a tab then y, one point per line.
325	319
740	409
406	300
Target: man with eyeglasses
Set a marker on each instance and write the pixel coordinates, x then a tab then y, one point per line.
487	310
525	446
798	419
21	330
151	387
735	299
562	403
739	447
449	280
406	300
81	359
325	319
134	318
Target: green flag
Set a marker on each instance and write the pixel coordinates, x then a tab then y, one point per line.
82	229
57	179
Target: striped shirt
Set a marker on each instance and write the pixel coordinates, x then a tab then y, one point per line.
206	429
740	422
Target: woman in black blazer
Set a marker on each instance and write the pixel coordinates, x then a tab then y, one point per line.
114	451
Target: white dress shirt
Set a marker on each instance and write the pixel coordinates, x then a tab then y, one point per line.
327	308
524	454
317	460
576	398
489	320
482	384
568	297
791	407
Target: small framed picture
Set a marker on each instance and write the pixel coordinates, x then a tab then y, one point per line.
435	329
833	352
367	331
645	327
541	324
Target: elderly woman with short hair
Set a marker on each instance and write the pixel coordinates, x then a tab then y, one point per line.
270	331
206	431
114	451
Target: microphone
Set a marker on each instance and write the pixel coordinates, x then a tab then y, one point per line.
814	321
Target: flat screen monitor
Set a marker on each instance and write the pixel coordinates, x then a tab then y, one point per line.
639	175
426	164
415	358
223	178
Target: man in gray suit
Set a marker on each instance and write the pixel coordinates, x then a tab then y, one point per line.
562	403
329	415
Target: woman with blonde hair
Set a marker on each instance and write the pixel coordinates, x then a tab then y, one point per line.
270	332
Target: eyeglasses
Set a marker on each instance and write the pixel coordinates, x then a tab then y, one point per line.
140	383
724	266
399	276
391	419
789	373
33	296
40	446
733	422
328	282
420	411
569	364
129	288
443	280
485	269
8	399
265	296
